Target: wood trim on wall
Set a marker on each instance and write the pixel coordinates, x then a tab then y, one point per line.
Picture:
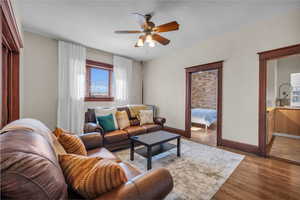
240	146
263	58
174	130
188	72
11	39
9	24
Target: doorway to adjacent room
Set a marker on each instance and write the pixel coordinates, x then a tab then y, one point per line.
204	103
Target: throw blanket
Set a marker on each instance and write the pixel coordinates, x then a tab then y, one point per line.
135	109
203	116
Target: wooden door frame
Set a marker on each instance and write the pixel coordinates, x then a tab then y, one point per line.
188	73
263	58
10	37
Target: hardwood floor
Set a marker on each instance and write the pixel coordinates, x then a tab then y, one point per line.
285	148
199	134
261	178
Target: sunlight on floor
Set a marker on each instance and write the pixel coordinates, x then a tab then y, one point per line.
200	135
196	129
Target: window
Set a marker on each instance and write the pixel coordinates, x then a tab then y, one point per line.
295	82
98	81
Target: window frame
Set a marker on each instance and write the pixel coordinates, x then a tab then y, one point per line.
98	65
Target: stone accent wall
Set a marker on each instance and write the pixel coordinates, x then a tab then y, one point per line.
204	89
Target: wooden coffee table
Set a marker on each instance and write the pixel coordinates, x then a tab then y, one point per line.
154	143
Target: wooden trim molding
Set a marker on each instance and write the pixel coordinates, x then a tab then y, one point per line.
99	99
92	63
188	73
263	58
11	42
240	146
9	23
95	64
174	130
280	52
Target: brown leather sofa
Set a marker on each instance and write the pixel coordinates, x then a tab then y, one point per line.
120	138
30	170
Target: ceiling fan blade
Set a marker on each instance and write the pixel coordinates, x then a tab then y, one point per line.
141	20
126	32
171	26
160	39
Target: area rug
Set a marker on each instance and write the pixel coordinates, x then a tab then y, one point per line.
198	173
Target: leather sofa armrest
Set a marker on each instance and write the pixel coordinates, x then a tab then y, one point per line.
92	140
92	127
159	120
155	184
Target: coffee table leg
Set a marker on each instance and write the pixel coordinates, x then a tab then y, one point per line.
149	158
178	147
132	150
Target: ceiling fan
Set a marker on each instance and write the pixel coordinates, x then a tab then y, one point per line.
149	31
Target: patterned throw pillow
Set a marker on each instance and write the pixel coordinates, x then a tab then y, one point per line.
122	119
91	177
146	117
71	143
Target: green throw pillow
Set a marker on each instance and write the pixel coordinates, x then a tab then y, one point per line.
107	122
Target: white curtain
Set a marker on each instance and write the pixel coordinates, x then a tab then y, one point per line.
122	80
71	86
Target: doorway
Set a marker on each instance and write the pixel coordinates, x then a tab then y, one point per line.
279	104
203	112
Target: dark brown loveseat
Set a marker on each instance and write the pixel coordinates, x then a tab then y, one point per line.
120	138
30	169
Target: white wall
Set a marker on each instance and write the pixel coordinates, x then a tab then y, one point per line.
39	78
286	66
164	78
271	82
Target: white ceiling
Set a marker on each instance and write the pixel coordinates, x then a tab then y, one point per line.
92	22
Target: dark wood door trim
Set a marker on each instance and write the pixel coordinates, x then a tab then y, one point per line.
188	73
263	58
10	38
9	26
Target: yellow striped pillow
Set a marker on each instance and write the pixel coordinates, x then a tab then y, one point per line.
91	177
71	143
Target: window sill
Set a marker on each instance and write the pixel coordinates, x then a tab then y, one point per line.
98	99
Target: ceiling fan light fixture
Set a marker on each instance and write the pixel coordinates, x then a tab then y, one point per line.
149	38
140	42
151	43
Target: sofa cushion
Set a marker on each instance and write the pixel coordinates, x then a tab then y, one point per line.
91	177
152	127
135	130
29	167
129	170
115	136
134	122
103	153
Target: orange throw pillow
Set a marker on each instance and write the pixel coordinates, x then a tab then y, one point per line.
91	177
71	143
